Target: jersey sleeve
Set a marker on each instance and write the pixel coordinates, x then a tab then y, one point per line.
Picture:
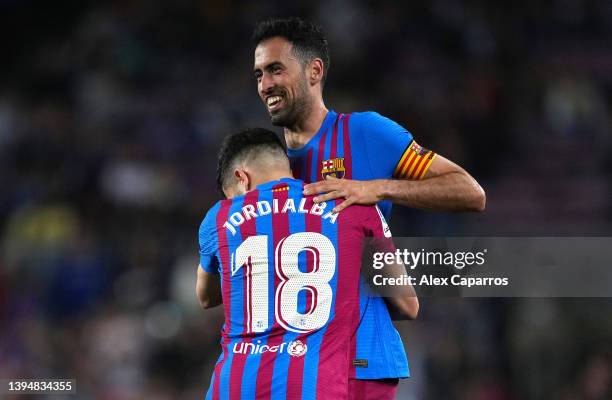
375	224
208	241
377	231
392	151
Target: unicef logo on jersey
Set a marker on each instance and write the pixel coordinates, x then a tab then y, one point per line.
297	348
294	348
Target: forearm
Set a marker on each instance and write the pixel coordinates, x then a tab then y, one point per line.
452	191
208	289
402	301
210	300
402	309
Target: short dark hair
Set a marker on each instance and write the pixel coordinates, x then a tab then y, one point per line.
307	38
243	146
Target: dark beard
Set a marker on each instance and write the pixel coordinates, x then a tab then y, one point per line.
292	114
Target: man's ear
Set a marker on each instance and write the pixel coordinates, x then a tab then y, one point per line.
316	71
243	178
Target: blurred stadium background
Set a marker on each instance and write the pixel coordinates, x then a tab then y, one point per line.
110	117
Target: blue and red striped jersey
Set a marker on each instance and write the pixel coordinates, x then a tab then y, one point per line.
290	272
366	146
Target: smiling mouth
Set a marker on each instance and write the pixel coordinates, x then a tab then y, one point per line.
274	102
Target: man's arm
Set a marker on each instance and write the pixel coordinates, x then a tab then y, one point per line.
402	301
445	187
208	289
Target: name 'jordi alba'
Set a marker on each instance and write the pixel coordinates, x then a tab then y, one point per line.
264	207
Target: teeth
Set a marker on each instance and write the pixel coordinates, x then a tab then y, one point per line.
273	100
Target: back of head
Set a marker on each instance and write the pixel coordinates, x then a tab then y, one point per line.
257	148
307	38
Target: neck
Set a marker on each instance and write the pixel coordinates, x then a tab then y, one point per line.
269	177
297	136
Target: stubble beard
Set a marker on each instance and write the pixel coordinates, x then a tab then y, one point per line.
294	112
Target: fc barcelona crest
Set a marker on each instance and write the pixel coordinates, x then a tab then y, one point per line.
333	167
419	150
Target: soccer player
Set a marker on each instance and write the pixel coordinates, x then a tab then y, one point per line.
362	157
289	273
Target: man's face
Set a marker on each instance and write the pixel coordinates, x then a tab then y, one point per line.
281	82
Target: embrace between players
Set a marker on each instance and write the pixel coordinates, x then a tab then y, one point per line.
282	252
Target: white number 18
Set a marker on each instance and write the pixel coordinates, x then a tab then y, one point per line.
253	255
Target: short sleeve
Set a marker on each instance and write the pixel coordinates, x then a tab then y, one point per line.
208	241
377	229
392	150
375	224
384	140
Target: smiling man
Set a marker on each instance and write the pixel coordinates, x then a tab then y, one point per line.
362	157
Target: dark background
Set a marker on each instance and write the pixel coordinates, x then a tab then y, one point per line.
111	114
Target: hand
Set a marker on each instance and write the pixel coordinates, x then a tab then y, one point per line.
354	192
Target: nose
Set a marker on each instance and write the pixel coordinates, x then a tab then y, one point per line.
266	83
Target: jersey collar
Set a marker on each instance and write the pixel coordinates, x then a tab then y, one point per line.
327	122
269	185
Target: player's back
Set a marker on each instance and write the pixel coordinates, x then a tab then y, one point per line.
290	273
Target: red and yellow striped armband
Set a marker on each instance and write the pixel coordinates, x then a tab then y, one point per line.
414	163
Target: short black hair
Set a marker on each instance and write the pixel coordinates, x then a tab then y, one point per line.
307	38
243	145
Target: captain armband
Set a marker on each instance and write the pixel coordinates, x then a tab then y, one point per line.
414	163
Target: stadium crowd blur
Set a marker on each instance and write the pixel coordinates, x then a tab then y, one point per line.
111	114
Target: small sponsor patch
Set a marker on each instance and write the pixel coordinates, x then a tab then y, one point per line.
295	348
360	363
383	221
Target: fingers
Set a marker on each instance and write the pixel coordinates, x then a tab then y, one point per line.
321	187
343	205
328	196
314	188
